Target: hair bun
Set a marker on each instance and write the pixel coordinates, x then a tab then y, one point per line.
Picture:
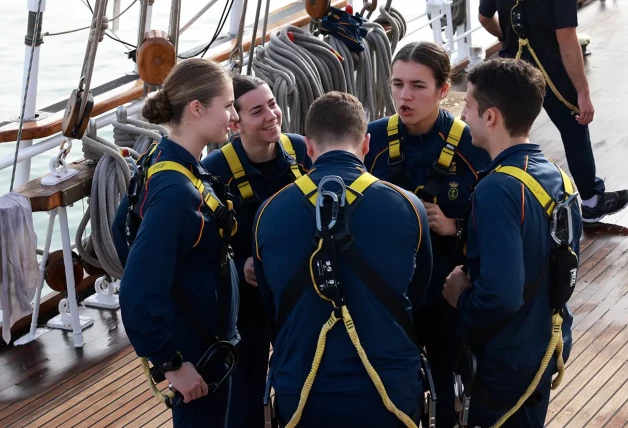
157	108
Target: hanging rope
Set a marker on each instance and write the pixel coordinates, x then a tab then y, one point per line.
393	18
135	134
283	84
28	81
237	54
254	36
381	58
109	184
282	54
96	35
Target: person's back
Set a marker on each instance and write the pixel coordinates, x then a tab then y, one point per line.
391	237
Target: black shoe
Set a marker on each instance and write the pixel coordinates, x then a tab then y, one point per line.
608	203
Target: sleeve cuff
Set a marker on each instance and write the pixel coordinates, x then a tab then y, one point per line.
163	354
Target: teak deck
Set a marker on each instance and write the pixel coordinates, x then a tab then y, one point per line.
49	383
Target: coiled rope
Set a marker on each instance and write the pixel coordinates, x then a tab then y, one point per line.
109	184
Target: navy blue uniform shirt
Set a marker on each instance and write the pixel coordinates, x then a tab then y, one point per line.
542	19
172	269
266	179
508	245
390	230
421	152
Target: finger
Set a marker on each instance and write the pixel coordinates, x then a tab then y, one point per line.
186	397
204	388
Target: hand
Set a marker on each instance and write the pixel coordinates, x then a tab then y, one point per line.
455	284
586	109
440	224
249	272
188	382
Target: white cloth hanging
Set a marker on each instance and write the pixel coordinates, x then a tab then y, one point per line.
18	260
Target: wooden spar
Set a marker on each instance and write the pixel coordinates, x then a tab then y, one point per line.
110	100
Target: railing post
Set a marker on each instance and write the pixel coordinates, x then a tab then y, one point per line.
23	169
435	8
449	30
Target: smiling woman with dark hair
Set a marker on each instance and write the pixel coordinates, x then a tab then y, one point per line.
258	162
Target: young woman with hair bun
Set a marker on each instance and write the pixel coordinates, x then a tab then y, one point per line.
172	273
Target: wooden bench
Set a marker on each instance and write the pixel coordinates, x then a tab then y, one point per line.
55	199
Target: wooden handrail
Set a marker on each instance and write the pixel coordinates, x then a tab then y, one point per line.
108	101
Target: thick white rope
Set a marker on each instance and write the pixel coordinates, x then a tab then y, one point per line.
109	184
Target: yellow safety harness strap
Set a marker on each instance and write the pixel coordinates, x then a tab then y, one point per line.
359	185
310	190
546	201
287	146
453	139
555	345
394	143
556	341
237	170
208	198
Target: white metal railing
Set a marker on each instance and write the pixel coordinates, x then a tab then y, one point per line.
54	141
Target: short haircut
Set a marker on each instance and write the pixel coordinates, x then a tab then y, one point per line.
336	117
514	87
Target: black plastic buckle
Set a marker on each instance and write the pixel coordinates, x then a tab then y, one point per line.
397	161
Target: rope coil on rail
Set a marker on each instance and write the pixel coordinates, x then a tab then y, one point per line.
109	184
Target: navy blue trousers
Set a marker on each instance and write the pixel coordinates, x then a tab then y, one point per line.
343	411
577	144
246	409
484	413
437	329
209	411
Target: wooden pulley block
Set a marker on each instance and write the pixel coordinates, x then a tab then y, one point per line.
317	9
72	125
55	271
156	57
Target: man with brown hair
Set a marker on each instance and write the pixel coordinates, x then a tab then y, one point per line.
341	242
523	241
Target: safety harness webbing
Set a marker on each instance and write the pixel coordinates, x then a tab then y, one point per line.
442	165
225	219
340	311
239	175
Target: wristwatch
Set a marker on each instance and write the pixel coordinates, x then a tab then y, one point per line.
173	364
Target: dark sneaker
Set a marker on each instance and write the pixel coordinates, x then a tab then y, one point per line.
608	203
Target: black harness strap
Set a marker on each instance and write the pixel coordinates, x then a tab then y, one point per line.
382	291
